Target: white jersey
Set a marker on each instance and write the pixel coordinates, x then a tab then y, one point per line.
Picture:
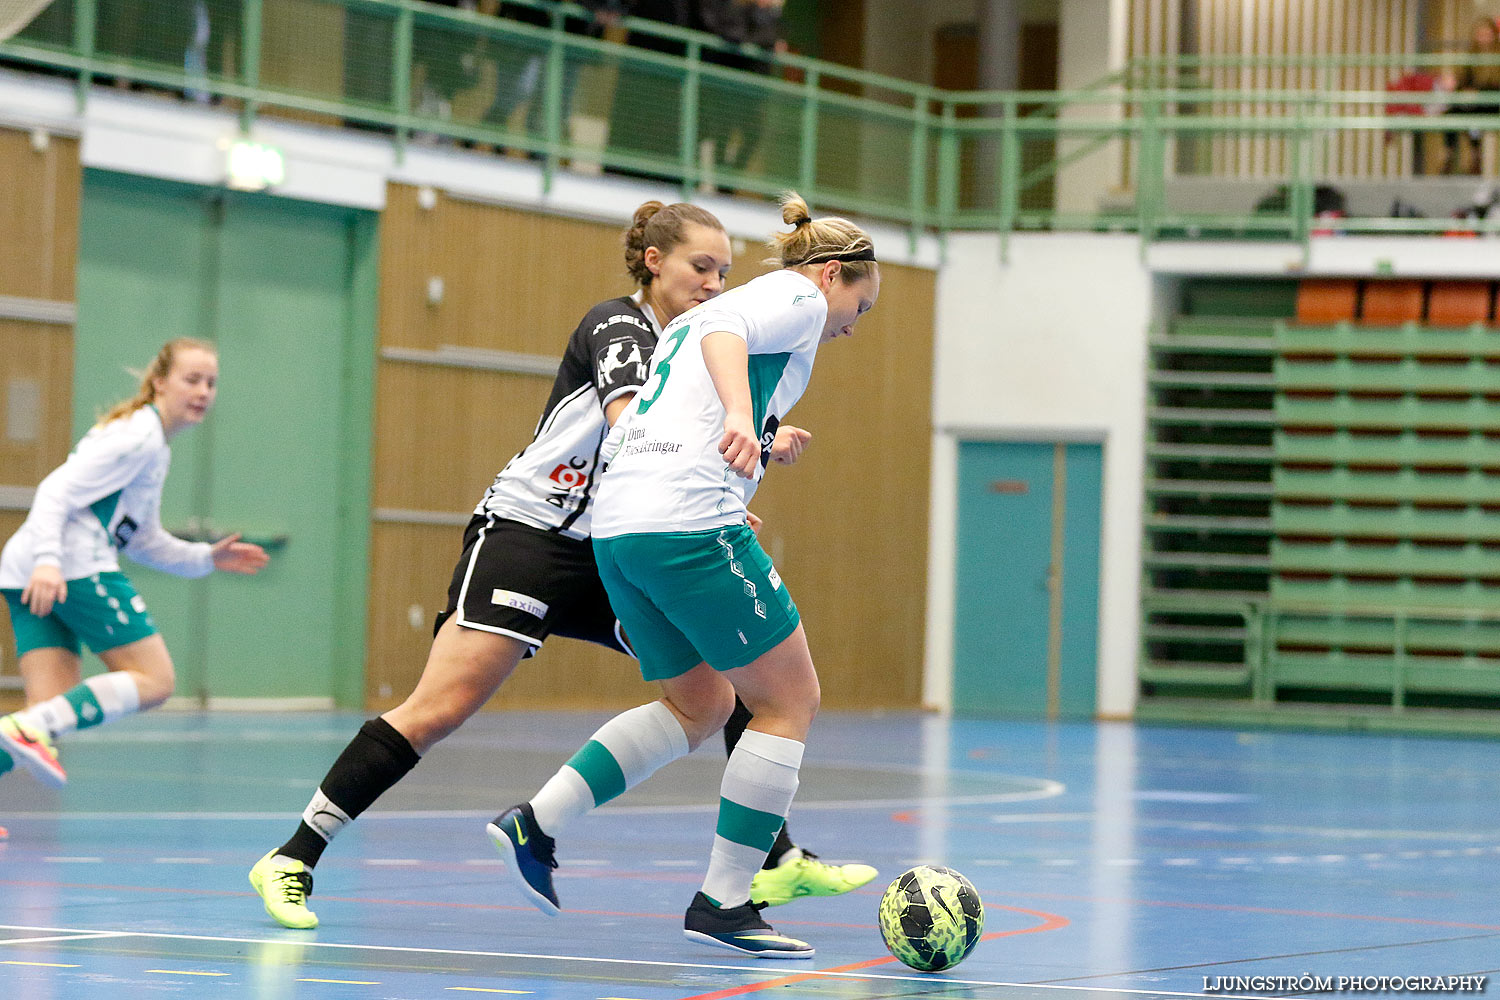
664	472
105	498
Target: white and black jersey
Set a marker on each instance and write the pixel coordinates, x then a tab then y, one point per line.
550	484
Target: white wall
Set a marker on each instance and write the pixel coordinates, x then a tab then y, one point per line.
1049	346
1090	45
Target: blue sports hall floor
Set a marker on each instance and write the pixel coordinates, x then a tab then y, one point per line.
1114	861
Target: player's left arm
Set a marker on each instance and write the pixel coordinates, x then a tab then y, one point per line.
155	546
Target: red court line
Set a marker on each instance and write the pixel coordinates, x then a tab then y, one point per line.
1050	922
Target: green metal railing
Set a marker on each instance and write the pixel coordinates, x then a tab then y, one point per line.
1397	654
683	106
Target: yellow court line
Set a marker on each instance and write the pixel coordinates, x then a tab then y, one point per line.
481	989
186	972
344	982
49	965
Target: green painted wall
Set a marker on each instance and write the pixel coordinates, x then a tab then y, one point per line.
286	289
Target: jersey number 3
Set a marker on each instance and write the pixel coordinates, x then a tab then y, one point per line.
665	351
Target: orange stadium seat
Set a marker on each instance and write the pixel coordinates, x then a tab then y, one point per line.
1391	302
1459	303
1327	300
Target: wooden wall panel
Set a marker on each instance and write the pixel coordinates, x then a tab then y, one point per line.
10	700
35	358
855	508
38	216
40	184
441	434
512	280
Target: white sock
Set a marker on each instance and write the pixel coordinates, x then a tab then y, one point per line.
625	751
100	699
759	783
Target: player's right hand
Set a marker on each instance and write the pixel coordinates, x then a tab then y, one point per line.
45	589
740	446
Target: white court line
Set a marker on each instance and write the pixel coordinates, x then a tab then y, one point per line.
585	959
1049	789
1318	831
65	937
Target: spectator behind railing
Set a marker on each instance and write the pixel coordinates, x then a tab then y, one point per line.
1484	39
439	72
643	119
740	22
521	80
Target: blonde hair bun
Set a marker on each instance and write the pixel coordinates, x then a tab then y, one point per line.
794	211
817	241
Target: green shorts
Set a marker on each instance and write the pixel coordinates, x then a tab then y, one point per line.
702	596
102	611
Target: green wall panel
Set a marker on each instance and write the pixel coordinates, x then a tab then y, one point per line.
286	291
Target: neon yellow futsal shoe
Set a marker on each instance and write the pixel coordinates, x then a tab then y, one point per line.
284	884
800	874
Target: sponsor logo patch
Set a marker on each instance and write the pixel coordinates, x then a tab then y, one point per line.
511	599
570	475
621	355
124	531
775	579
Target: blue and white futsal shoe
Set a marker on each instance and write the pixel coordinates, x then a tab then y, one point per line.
528	856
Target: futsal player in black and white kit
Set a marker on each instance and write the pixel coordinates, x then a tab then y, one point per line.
527	567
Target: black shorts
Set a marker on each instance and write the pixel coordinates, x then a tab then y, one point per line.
527	583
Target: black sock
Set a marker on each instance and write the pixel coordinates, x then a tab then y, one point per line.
735	727
374	760
779	849
733	730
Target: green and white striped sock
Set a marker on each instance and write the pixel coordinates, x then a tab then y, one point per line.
759	783
625	751
100	699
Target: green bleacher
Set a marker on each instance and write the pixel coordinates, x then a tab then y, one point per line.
1323	516
1209	461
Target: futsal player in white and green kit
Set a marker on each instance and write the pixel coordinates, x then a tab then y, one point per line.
60	572
706	611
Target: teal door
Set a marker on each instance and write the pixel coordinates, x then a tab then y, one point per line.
1027	589
285	289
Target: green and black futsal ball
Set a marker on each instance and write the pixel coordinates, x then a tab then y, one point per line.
931	918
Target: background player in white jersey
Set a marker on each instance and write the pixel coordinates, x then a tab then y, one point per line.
707	613
527	569
60	572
